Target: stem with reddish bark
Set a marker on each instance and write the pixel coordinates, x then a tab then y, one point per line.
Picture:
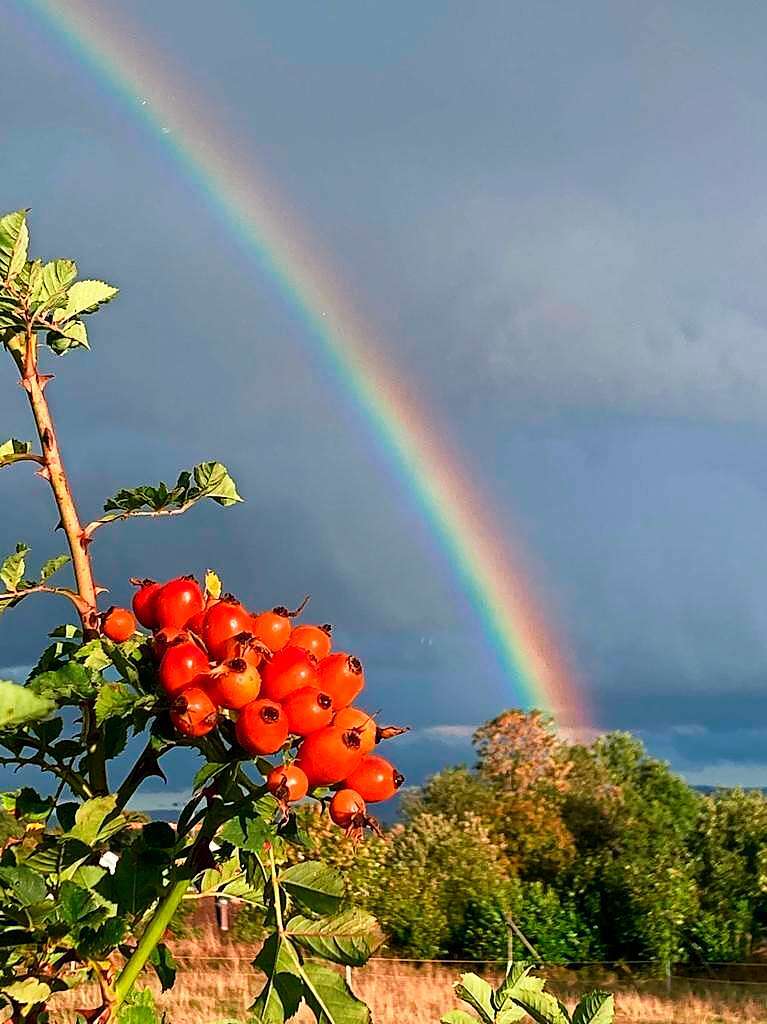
53	471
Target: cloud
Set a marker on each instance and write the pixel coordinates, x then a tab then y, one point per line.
572	301
451	735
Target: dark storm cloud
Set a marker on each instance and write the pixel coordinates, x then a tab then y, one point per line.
553	219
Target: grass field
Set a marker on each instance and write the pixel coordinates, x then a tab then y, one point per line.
403	994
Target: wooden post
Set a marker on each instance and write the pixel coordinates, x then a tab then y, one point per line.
514	927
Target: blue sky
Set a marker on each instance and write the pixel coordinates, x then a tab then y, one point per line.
554	219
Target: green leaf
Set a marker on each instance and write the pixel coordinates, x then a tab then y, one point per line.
164	965
55	279
13	450
13	238
595	1008
90	818
19	704
12	569
314	885
66	814
25	884
252	826
10	828
28	992
457	1017
330	998
207	480
139	1009
93	655
74	903
208	771
346	938
31	806
280	997
159	834
478	994
214	482
543	1007
85	297
59	856
66	632
71	335
19	254
52	566
518	982
104	939
61	684
114	699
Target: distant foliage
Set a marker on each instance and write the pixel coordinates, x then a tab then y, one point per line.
598	852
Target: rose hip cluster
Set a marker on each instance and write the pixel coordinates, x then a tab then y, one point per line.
284	685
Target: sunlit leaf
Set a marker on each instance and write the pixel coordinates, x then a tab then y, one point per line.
72	335
330	998
595	1008
314	885
346	938
13	450
478	994
19	704
280	997
13	239
85	297
55	278
52	566
13	568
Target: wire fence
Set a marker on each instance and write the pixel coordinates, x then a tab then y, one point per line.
618	973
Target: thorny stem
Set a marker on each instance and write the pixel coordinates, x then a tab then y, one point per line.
53	471
41	588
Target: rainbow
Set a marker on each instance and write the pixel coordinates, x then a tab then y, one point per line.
491	574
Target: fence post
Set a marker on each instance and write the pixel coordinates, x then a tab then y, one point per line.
514	927
348	975
509	948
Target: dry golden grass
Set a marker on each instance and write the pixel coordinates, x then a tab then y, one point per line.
404	994
216	983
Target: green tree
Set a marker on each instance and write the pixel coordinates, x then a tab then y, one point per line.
634	874
730	846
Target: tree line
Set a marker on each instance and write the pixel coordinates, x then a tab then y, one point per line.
597	851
